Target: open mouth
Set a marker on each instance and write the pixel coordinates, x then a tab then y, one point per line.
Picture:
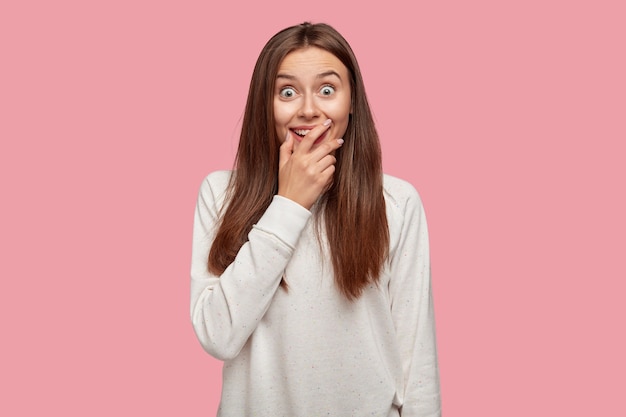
301	133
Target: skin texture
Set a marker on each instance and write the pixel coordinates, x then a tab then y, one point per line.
312	93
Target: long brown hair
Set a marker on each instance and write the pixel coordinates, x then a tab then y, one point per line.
353	207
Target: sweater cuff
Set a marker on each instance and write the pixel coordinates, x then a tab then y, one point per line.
285	219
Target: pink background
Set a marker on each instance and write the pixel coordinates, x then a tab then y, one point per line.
508	116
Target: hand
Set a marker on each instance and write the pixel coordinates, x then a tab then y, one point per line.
306	170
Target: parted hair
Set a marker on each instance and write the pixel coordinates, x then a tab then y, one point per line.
352	208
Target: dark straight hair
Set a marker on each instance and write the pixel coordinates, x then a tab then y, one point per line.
353	208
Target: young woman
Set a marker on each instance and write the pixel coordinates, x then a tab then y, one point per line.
310	268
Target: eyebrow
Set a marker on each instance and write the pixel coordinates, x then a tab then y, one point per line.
321	75
327	73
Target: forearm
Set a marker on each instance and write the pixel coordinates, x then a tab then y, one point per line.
226	309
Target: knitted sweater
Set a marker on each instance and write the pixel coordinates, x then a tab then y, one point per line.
309	351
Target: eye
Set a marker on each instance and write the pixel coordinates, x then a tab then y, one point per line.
287	92
327	90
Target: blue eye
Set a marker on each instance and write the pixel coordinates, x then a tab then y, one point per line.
287	92
327	90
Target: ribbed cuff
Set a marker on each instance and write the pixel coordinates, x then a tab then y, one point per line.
285	219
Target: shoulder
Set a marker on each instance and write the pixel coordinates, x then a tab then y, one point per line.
217	179
403	205
405	213
400	194
216	182
214	187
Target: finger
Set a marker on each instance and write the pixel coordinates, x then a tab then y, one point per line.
286	149
328	175
325	162
326	147
309	139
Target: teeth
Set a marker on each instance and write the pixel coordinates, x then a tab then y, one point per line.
301	132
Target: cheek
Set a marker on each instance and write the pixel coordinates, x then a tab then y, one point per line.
280	119
339	109
277	112
340	113
284	112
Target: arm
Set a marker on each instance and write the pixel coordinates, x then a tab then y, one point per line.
413	313
225	310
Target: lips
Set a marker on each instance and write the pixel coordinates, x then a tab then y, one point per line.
321	138
301	131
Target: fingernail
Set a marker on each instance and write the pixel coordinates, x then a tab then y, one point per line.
327	122
340	141
287	137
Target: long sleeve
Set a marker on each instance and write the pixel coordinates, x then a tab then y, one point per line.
413	313
225	310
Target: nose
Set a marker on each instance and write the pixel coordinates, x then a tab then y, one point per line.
309	108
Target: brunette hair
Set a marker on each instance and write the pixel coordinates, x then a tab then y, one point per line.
353	207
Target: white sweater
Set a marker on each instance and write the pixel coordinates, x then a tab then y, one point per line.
308	352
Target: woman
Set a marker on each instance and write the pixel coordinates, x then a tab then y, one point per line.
310	270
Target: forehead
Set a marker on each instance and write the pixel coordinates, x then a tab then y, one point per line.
311	61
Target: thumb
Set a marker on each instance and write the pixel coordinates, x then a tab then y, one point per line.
286	149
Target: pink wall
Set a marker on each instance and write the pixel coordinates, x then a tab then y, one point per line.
509	118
